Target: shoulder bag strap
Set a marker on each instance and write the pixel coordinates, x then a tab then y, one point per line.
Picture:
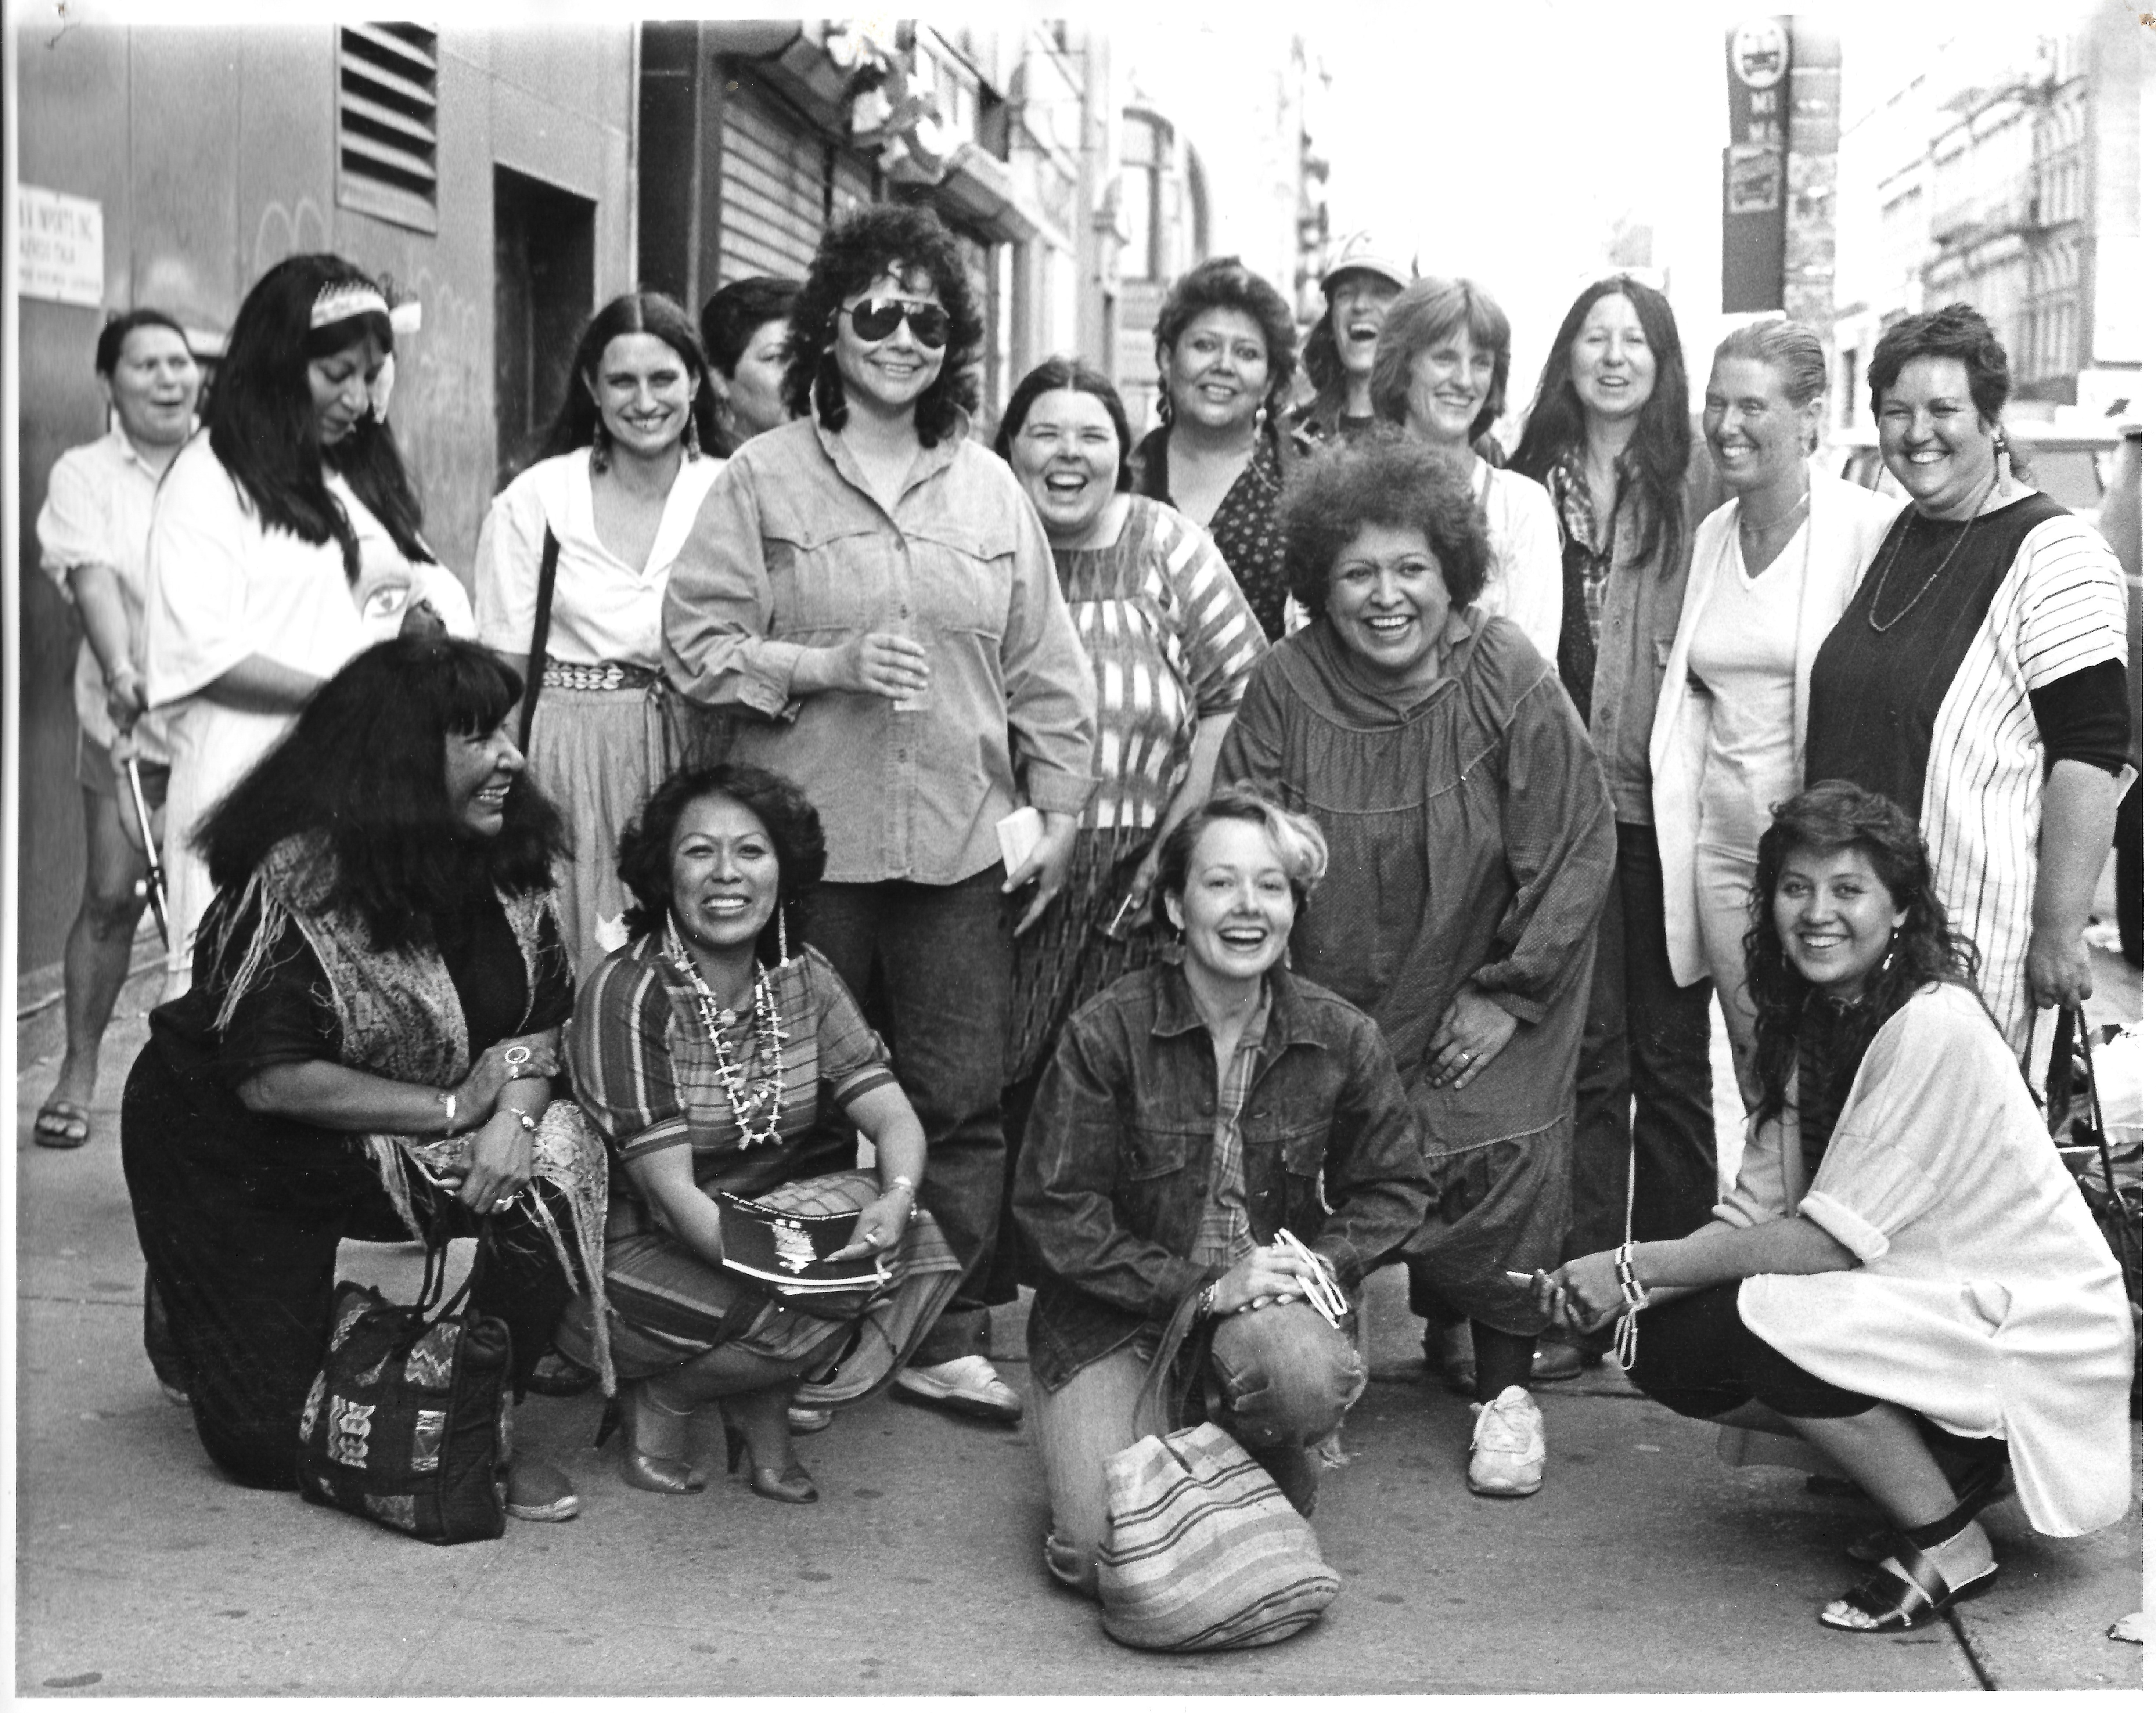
542	621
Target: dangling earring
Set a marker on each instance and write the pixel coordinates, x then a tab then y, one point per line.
2002	457
1164	408
1893	941
689	449
598	449
1262	415
781	936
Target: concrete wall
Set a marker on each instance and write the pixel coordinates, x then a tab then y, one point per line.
212	154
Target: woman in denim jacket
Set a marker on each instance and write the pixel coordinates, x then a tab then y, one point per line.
1193	1112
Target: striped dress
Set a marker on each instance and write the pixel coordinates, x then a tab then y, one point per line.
1172	640
1922	692
647	1077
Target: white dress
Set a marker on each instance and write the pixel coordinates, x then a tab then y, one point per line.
1526	555
1984	1297
221	587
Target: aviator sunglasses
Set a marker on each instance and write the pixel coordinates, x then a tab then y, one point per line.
876	318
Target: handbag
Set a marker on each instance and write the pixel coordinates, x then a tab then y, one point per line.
1203	1550
542	621
408	1423
2105	1170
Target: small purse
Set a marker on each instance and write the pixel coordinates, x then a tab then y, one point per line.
407	1422
542	621
2106	1169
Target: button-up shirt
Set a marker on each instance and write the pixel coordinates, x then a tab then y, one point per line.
1113	1180
98	504
1621	622
792	551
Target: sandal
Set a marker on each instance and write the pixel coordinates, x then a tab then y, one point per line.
1910	1600
61	1124
1983	1483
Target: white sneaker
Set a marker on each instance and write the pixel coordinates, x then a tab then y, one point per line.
968	1385
1506	1461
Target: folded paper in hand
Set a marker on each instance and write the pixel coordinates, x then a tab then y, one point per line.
1017	833
793	1250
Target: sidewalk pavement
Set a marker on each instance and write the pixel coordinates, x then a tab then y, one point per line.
1643	1564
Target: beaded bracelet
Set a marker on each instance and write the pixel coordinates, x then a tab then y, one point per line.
1627	1341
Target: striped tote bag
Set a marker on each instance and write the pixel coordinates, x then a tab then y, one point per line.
1204	1553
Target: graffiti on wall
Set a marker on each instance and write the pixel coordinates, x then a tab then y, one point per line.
284	231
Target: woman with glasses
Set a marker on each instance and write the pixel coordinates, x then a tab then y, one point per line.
870	594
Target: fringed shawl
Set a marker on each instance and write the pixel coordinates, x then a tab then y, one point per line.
399	1016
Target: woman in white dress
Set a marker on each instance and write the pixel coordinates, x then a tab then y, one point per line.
1771	572
1443	356
630	459
1904	1275
285	539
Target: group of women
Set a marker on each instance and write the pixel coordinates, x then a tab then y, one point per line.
933	827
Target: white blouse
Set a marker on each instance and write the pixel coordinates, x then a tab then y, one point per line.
605	609
1527	555
1985	1296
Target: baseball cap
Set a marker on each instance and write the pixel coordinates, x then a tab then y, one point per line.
1368	251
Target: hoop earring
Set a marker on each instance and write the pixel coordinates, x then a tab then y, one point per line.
1164	408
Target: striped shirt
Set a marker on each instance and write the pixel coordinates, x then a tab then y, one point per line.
647	1077
1934	710
1172	640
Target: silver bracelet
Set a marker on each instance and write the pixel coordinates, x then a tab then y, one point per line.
448	1112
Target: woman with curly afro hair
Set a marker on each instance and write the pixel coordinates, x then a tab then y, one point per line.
871	595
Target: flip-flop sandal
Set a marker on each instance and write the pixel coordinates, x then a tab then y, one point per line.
61	1124
1891	1605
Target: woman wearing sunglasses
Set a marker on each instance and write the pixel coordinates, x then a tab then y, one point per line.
871	594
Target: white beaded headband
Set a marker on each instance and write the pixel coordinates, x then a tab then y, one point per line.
348	299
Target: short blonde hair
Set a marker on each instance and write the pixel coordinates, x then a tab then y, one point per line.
1299	840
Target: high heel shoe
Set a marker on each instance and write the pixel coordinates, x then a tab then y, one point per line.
790	1485
643	1468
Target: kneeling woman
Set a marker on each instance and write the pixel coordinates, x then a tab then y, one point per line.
1904	1272
705	1056
379	988
1192	1111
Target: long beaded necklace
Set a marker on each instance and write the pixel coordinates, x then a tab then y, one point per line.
755	1108
1924	589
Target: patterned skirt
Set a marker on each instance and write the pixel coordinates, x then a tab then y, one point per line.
665	1306
1067	957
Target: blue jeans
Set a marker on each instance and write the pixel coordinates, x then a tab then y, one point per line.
1645	1083
1288	1379
932	967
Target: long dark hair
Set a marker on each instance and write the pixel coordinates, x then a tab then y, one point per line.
576	424
645	859
364	767
855	253
1836	815
261	414
1660	453
1068	374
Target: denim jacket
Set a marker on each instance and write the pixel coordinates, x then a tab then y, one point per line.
1113	1173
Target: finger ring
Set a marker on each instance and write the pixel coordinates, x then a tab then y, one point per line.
514	1056
504	1203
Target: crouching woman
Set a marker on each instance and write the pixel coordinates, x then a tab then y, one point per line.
1905	1273
1193	1113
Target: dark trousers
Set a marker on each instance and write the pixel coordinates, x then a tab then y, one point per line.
1644	1085
931	965
239	1223
1697	1357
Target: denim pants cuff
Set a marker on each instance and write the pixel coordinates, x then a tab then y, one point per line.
962	1332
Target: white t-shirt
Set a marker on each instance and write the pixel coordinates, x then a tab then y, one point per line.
1745	653
605	609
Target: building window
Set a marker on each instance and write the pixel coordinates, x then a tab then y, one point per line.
386	122
1149	196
